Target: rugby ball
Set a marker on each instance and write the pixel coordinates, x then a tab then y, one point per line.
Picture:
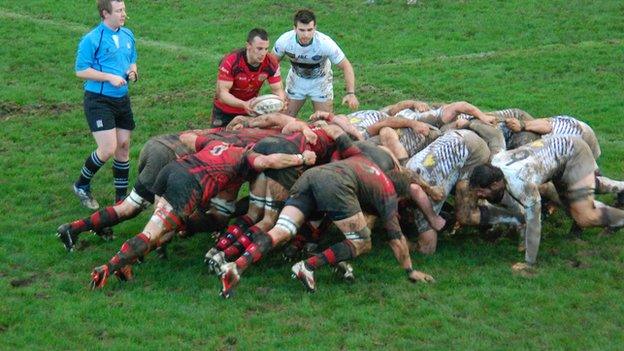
268	103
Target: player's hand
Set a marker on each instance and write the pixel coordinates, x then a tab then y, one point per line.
247	106
309	157
319	115
310	136
513	124
133	76
421	106
436	193
462	123
523	267
116	81
418	276
351	100
491	120
238	122
420	128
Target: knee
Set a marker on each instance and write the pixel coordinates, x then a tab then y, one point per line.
427	243
105	152
387	134
587	218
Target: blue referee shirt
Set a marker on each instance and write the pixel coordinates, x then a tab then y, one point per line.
108	51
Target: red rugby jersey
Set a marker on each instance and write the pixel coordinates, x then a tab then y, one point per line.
247	80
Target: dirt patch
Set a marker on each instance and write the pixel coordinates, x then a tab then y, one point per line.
3	328
20	283
9	110
574	263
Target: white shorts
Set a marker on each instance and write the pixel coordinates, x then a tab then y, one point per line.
319	89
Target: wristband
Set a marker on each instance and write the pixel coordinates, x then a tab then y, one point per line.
350	93
301	158
409	271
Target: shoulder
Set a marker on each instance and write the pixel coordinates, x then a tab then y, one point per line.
324	38
271	60
126	31
93	36
231	57
285	37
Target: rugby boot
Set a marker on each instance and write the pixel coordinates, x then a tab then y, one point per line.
345	270
105	233
208	256
216	262
229	279
161	251
86	199
306	276
69	239
99	276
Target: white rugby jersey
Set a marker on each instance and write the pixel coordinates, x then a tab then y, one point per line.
441	161
534	163
313	60
566	125
361	120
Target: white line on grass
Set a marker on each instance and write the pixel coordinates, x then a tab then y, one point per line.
79	28
172	47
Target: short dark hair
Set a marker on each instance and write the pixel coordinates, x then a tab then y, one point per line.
304	16
484	175
257	32
105	5
402	179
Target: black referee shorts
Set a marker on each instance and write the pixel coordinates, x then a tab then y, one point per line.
105	112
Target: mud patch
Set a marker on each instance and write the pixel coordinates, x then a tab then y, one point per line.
574	263
20	283
9	110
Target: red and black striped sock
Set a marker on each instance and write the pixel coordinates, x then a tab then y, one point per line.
103	218
338	252
261	245
131	250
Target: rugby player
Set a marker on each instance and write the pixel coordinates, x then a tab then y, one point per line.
342	190
241	75
311	54
155	155
568	162
186	186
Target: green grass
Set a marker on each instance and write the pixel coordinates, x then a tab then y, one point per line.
555	57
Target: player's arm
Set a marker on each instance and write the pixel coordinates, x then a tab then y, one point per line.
223	94
278	89
190	140
350	99
416	105
533	229
398	122
271	120
397	241
278	161
540	126
343	122
300	126
453	109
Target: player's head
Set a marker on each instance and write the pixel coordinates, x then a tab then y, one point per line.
113	12
488	182
402	179
305	26
257	45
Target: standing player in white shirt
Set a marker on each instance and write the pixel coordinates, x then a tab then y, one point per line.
311	55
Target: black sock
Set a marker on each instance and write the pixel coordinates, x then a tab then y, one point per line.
91	166
120	175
